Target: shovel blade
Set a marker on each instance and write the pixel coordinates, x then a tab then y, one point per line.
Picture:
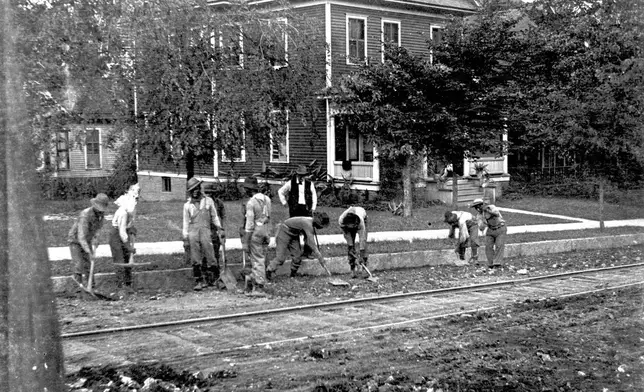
372	279
229	280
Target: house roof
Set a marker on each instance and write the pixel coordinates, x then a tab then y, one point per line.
468	6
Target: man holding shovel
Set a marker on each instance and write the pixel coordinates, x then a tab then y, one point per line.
256	236
287	241
82	238
353	221
199	215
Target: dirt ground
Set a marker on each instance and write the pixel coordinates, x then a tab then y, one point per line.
591	343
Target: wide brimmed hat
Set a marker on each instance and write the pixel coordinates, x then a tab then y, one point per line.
251	183
100	202
320	219
477	202
192	184
301	170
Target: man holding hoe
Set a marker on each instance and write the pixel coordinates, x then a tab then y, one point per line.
82	237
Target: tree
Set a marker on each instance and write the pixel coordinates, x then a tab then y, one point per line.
210	78
69	53
585	90
449	109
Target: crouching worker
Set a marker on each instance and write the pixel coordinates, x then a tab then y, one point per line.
122	238
468	233
82	237
287	241
354	221
256	236
199	214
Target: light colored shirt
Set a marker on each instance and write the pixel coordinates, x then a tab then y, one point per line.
191	211
301	199
463	232
258	211
123	220
362	228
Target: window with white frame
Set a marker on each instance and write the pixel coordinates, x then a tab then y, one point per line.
350	144
356	39
390	34
231	45
92	149
279	138
62	150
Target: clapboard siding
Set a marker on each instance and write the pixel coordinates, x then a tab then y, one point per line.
77	167
414	31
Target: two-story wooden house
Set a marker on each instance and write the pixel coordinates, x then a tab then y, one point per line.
354	32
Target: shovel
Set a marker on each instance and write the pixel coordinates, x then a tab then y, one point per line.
371	278
90	282
227	276
332	281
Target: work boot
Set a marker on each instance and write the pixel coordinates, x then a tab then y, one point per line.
199	286
293	273
257	291
354	273
269	275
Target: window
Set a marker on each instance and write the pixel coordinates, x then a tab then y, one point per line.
350	145
437	35
92	149
356	40
231	46
390	34
279	139
62	150
279	44
236	153
166	184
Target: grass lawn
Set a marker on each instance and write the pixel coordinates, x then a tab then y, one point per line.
579	208
161	221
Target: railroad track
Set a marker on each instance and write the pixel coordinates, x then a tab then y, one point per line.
192	342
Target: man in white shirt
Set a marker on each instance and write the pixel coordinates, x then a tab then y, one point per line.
299	194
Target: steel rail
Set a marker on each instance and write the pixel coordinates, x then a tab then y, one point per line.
335	304
328	335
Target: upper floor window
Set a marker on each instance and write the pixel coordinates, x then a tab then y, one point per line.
62	150
356	40
279	138
236	153
92	149
390	34
231	46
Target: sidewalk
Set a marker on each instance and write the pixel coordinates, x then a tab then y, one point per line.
176	247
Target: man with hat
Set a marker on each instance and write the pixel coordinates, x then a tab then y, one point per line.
82	237
489	217
218	237
255	237
353	221
299	193
287	241
199	215
468	233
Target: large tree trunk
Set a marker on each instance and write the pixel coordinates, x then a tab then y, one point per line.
601	204
31	356
407	188
190	165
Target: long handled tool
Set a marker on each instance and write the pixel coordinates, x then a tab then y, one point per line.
90	280
371	278
227	276
332	281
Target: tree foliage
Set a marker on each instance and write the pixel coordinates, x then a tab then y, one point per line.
584	94
450	108
210	78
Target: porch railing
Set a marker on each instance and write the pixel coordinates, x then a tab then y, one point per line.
361	170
